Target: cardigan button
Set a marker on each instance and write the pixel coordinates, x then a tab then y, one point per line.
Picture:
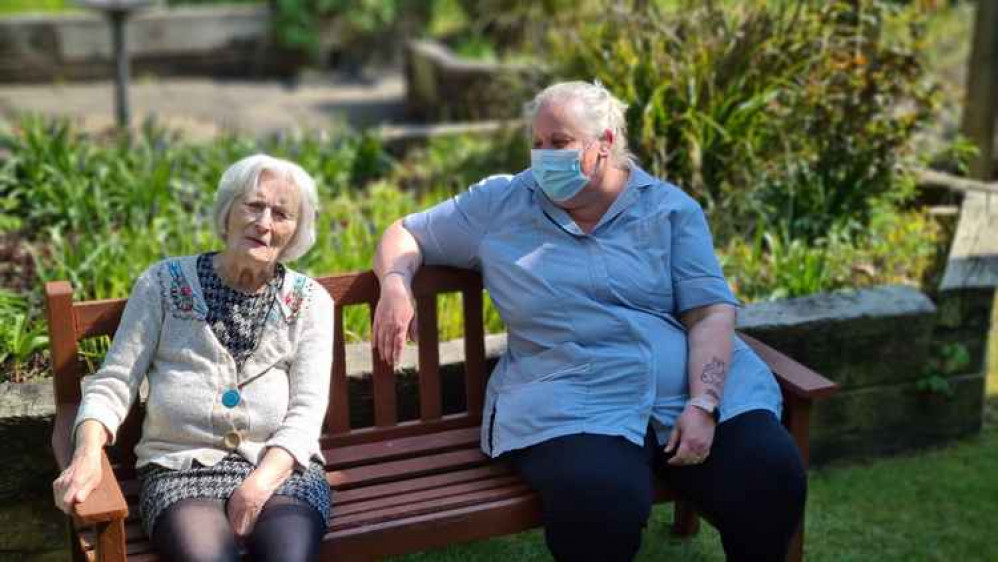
230	398
232	440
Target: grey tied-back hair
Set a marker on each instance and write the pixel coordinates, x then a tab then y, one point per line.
244	175
597	111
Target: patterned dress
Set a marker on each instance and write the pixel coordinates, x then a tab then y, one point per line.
237	320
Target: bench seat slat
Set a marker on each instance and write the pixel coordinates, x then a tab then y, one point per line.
434	530
430	506
408	428
416	484
422	496
370	453
405	469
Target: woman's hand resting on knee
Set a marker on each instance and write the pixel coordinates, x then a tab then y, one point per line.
691	438
246	503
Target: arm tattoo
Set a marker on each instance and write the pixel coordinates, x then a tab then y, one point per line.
713	395
713	376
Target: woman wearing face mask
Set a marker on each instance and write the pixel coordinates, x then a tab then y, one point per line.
622	365
236	350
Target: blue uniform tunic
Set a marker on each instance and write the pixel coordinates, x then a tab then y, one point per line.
594	342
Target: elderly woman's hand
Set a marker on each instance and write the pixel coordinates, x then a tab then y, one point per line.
83	474
79	479
693	435
394	317
246	503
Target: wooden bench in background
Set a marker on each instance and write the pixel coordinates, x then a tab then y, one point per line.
400	486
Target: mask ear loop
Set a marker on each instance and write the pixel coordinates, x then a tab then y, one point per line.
599	157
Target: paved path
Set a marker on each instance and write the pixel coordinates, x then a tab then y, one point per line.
203	107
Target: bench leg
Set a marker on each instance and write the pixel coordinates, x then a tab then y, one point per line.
110	545
686	522
75	550
796	551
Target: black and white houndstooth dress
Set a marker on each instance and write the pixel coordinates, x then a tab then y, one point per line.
237	319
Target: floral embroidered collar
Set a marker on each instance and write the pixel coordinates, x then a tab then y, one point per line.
180	288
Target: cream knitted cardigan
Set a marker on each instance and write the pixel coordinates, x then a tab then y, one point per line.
163	338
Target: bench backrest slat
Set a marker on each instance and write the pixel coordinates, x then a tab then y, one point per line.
429	359
383	387
338	413
98	318
475	372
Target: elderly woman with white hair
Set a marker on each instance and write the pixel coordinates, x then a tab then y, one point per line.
622	365
236	349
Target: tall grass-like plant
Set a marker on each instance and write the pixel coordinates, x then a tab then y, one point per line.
20	338
897	247
795	112
98	211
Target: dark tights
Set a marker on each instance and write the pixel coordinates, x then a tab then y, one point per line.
199	531
596	490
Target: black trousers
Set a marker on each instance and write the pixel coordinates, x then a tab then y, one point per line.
596	490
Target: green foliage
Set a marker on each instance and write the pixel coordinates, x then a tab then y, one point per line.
897	247
26	6
796	112
946	360
453	163
298	22
98	210
20	338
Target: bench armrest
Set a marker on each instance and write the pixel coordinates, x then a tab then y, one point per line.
794	378
106	503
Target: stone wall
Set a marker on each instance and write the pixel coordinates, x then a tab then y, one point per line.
445	87
876	343
222	40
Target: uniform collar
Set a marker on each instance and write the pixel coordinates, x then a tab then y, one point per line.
638	181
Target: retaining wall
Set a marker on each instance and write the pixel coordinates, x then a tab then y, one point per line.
445	87
222	40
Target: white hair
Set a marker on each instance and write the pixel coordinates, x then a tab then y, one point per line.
243	176
597	110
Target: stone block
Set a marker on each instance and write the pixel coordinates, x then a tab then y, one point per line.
973	257
889	419
443	86
220	40
861	338
968	307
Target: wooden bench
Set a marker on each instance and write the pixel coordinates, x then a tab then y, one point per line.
400	486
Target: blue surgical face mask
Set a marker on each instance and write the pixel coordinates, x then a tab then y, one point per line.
558	172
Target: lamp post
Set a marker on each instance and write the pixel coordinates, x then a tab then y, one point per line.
117	13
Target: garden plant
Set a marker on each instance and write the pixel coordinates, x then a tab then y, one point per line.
793	128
